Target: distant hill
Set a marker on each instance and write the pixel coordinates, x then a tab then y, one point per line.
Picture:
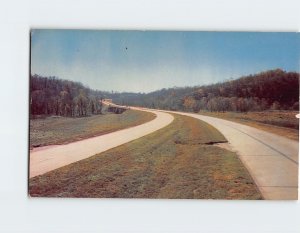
274	89
53	96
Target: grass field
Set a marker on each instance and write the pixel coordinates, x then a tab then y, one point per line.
283	123
178	161
61	130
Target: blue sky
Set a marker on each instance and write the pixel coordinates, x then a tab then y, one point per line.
144	61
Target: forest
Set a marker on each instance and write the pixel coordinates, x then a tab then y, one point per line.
53	96
269	90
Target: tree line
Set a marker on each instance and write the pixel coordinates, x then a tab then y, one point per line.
269	90
53	96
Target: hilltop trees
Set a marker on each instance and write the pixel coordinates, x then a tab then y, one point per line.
270	90
274	90
52	96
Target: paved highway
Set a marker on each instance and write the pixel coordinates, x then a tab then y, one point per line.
48	158
272	160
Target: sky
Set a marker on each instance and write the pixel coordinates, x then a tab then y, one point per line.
145	61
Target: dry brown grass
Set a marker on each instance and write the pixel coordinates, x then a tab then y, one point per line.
61	130
174	162
283	123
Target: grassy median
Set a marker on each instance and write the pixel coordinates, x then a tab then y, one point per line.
61	130
178	161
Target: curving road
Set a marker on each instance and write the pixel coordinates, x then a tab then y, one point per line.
272	160
48	158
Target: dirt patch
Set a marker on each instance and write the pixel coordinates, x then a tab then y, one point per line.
214	142
224	145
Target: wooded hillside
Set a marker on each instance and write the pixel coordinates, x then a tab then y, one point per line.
53	96
270	90
274	89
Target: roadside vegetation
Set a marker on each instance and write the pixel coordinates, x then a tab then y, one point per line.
61	130
54	96
283	123
268	100
269	90
178	161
